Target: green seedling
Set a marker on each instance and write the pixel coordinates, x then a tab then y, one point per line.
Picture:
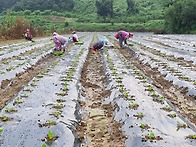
4	118
51	135
58	106
167	108
51	122
150	88
2	72
25	95
9	109
56	114
153	93
121	89
61	100
62	93
150	136
161	99
139	115
28	89
180	125
17	101
144	126
133	105
1	130
33	84
10	68
126	94
190	136
40	75
172	115
44	145
194	83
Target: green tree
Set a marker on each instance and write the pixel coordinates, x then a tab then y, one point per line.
104	8
181	16
131	8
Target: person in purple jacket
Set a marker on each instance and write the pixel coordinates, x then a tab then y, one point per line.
123	36
59	42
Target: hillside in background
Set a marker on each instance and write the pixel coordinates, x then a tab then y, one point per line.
86	10
46	16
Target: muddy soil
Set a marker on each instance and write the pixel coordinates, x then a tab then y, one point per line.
98	127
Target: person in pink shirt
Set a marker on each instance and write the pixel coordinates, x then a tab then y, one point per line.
123	36
59	42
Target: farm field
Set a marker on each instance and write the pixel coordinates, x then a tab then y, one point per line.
141	95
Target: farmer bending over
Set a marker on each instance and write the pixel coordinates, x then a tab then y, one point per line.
75	37
98	45
123	36
59	42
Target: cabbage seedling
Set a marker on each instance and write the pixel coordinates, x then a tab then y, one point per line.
4	118
180	125
191	136
1	130
51	135
144	126
172	115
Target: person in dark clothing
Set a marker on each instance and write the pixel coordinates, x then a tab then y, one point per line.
28	35
98	45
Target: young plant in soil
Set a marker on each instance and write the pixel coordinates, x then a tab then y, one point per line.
25	95
28	89
190	136
40	75
173	115
121	89
62	93
159	100
126	94
154	94
144	126
48	123
180	125
61	100
57	114
167	108
51	137
33	84
1	130
10	68
149	88
17	101
58	106
5	118
139	115
10	110
2	72
151	137
65	87
194	83
133	105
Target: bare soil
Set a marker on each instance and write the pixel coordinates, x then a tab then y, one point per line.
98	128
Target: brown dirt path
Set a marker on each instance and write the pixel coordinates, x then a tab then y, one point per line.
98	128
